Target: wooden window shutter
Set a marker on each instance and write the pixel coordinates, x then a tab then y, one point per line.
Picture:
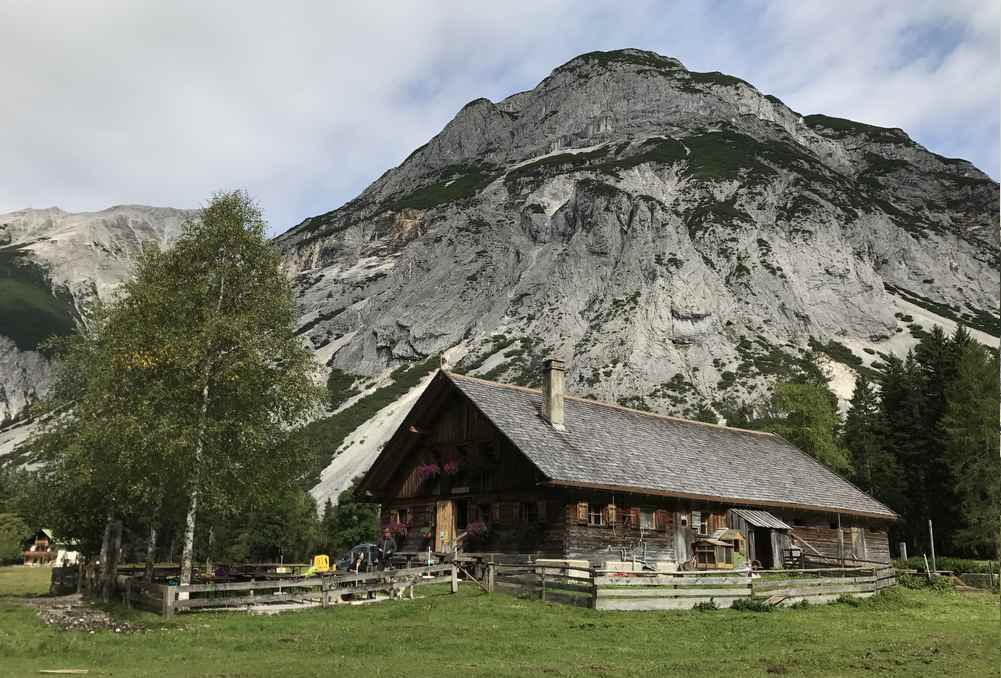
661	519
634	517
582	512
610	514
495	512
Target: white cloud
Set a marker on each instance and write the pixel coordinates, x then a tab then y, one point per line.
305	103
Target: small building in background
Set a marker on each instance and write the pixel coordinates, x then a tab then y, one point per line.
40	548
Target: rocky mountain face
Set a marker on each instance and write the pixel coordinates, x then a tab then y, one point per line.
52	265
672	235
678	238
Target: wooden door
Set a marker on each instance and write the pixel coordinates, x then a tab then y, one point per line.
444	527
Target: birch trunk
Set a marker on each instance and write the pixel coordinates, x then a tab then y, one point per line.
150	554
187	553
105	551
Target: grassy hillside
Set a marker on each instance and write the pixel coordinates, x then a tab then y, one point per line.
901	633
30	311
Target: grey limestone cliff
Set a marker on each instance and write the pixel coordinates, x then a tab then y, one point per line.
676	237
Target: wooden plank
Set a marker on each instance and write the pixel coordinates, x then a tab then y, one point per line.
767	584
239	601
258	584
656	603
823	590
820	600
668	581
557	586
672	593
433	580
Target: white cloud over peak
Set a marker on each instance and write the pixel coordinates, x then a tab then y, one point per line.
305	103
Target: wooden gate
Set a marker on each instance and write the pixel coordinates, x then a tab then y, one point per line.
444	527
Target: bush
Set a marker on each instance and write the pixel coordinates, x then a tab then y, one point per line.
801	605
706	606
920	581
752	605
946	563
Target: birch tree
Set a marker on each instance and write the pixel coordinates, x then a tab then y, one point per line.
188	384
216	318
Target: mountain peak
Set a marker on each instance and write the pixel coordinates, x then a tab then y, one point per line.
629	55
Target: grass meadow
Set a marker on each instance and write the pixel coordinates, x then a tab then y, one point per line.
901	632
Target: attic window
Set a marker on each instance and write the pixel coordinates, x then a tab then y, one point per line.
595	516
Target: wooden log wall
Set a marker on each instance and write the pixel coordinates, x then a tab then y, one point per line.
622	540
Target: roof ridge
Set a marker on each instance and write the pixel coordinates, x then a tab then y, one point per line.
611	405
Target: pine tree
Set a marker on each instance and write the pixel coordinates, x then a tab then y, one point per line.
970	429
900	415
861	432
328	527
876	469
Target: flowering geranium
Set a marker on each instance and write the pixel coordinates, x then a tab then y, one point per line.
427	471
450	467
396	528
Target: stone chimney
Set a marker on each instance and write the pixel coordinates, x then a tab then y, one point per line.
552	393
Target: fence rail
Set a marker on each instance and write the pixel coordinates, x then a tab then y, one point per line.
566	582
612	590
322	591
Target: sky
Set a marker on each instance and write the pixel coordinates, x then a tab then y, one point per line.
303	104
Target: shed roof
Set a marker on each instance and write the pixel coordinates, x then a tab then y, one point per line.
607	446
761	519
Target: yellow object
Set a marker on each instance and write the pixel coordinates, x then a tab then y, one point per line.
321	563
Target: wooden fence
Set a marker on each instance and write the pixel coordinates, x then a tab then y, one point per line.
321	591
612	590
555	583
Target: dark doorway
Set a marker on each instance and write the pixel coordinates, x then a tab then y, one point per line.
461	514
763	547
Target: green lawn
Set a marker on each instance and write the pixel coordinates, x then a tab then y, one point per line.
904	632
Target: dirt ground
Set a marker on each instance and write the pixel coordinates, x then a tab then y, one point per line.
73	613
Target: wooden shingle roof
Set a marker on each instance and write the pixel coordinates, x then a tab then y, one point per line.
611	447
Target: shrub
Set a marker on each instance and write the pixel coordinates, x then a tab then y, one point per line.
945	563
706	606
919	581
801	605
752	605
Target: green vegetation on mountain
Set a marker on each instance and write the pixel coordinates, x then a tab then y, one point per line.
455	182
31	311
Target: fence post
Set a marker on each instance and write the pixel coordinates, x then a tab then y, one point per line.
543	584
168	601
490	577
455	578
931	542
